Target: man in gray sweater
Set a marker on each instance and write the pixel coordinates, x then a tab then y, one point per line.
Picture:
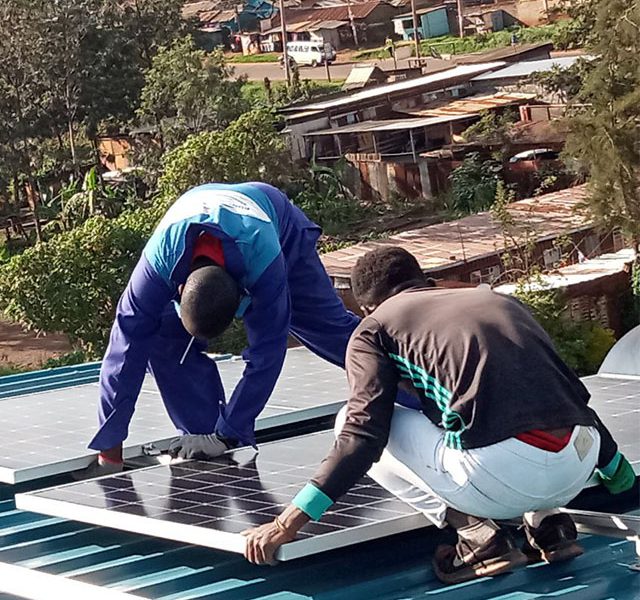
504	429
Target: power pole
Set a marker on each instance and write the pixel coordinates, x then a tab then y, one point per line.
416	35
354	29
285	54
460	19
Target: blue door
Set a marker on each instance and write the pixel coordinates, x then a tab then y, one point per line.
435	23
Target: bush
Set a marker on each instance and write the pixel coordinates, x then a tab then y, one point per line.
581	344
326	200
72	283
249	149
474	183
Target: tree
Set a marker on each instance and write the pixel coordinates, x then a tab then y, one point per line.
249	149
473	183
188	91
565	83
604	135
150	24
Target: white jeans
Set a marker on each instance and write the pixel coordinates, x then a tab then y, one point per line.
501	481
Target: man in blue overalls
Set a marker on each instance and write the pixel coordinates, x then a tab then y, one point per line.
220	250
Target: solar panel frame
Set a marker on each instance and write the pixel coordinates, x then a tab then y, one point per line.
308	388
616	399
139	502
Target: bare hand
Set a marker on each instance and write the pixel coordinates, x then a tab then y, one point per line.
264	541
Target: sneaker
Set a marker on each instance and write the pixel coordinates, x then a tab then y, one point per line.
554	540
465	561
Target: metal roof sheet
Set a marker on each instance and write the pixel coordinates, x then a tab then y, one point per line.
442	77
446	244
420	11
525	68
390	125
48	558
359	10
472	104
500	53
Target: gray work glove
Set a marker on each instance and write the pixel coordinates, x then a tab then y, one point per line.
97	468
198	446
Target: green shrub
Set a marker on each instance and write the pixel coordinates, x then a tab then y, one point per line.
249	149
72	282
474	184
581	344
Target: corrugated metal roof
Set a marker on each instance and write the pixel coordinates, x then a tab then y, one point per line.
391	569
359	10
420	11
589	270
440	78
390	125
500	53
472	104
525	68
52	559
445	244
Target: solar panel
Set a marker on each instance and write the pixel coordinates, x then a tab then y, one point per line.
47	433
210	503
616	399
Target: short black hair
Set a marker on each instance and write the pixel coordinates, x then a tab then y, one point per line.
383	272
209	300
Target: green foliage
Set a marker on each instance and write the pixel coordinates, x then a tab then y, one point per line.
276	94
265	57
604	134
76	357
578	30
450	44
564	83
326	200
188	91
473	184
232	341
581	344
72	282
249	149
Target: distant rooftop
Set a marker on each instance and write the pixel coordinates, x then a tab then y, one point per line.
380	91
471	104
502	53
589	269
447	244
525	68
390	125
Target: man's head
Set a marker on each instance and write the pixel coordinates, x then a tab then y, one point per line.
382	273
209	300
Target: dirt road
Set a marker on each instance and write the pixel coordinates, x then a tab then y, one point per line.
18	347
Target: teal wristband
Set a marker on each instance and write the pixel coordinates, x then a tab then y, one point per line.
312	501
610	470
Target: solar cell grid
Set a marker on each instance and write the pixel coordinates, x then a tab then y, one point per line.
231	494
617	402
47	433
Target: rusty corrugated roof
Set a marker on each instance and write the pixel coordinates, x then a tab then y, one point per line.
445	244
473	104
359	10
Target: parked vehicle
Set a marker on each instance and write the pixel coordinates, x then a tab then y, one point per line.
536	154
310	53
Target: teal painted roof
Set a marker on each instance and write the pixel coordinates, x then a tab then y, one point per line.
396	568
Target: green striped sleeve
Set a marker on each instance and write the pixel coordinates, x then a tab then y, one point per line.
312	501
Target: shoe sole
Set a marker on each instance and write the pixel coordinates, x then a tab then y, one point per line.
499	566
566	552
